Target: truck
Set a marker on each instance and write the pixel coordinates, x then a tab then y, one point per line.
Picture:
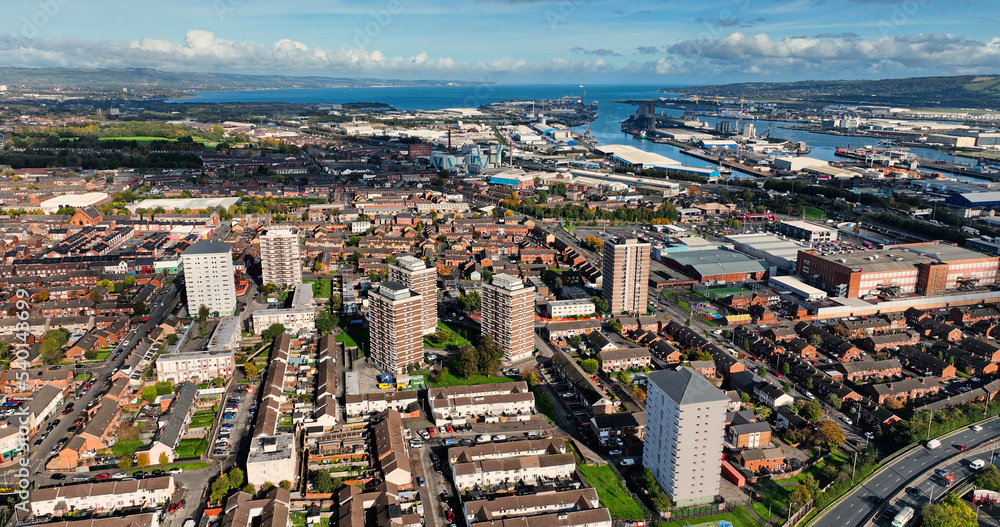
903	517
932	444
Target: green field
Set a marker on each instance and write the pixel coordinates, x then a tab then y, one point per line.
715	294
321	288
812	213
126	447
612	493
202	419
739	518
455	340
545	404
191	447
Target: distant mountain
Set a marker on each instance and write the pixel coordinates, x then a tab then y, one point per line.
145	79
963	91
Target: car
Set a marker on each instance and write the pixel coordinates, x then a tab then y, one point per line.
431	430
421	482
567	395
499	437
450	430
444	495
943	472
877	500
448	442
176	470
229	416
424	434
615	452
847	420
45	434
224	435
102	475
118	475
483	438
172	507
159	472
228	426
81	477
437	468
38	442
139	474
58	476
890	513
54	450
913	491
69	405
962	447
67	411
219	452
181	504
977	464
450	515
441	429
869	435
145	319
78	420
627	462
416	443
977	428
55	423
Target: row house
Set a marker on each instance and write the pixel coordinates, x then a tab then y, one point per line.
926	363
870	369
928	327
68	308
528	469
914	315
626	426
780	334
538	256
965	360
665	352
769	460
619	359
747	432
968	316
801	348
872	415
985	349
876	343
904	390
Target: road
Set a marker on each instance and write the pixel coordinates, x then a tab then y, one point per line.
909	470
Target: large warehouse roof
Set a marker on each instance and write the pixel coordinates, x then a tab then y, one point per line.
72	200
631	155
184	203
905	257
711	262
974	199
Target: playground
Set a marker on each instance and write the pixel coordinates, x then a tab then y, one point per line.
706	311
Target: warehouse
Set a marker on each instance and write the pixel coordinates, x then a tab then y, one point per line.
926	269
73	200
716	265
971	200
193	204
810	232
797	163
633	157
779	252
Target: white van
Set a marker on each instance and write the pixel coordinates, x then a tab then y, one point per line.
932	444
977	464
189	523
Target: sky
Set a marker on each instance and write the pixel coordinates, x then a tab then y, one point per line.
666	42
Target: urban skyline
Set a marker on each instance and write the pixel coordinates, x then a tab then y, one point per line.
514	41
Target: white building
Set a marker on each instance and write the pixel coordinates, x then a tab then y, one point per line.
570	308
301	316
209	278
459	404
52	205
685	427
227	335
271	459
200	366
511	470
102	497
279	257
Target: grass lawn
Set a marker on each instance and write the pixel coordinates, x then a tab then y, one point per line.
321	288
612	493
191	447
776	498
455	340
451	380
812	213
545	404
352	336
739	518
202	421
126	447
761	510
184	466
83	376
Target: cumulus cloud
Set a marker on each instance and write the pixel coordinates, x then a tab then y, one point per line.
204	51
761	54
595	52
647	50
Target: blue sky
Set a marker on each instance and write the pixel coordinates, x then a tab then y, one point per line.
665	42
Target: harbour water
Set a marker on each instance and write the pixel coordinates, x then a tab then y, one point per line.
606	128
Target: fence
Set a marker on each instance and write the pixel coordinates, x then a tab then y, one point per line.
699	511
645	509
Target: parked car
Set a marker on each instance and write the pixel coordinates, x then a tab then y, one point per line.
58	476
847	420
81	477
421	482
615	452
448	442
627	462
118	475
176	470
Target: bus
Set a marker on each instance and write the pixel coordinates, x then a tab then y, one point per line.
903	517
384	381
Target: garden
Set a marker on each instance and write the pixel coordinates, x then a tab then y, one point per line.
611	492
191	447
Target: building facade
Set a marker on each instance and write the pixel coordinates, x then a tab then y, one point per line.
508	316
685	423
412	272
279	257
395	331
209	280
625	272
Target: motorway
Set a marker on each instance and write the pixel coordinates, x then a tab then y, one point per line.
914	469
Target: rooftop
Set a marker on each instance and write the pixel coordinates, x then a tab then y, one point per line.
686	386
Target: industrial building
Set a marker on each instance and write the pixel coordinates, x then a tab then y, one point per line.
926	269
777	251
796	163
716	265
52	205
171	204
790	284
971	200
632	157
810	232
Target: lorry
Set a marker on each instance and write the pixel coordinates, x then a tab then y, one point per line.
932	444
903	517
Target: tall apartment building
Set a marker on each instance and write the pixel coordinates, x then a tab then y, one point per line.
279	257
508	316
209	280
396	337
685	423
412	272
625	272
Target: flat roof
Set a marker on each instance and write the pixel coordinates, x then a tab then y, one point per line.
184	203
635	156
904	257
770	244
799	285
716	261
805	225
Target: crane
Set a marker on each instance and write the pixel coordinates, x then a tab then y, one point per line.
584	96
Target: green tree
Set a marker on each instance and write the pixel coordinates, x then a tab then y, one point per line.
250	369
325	322
219	382
354	241
272	332
42	296
471	301
834	401
269	289
762	371
203	312
220	488
600	304
615	326
149	394
236	478
811	411
829	434
623	377
90	354
129	280
172	339
164	458
323	482
142	460
124	462
140	309
799	497
285	484
467	364
951	512
785	368
590	366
